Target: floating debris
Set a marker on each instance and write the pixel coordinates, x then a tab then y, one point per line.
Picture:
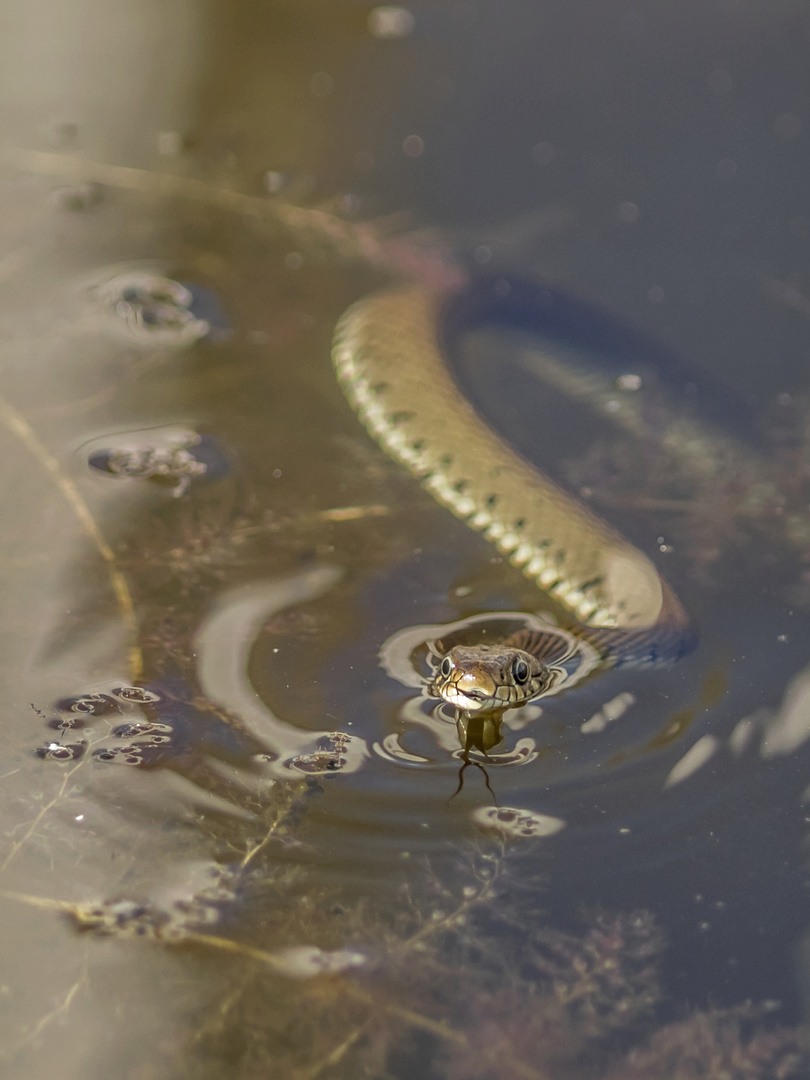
305	961
139	695
150	309
173	920
511	821
130	731
175	458
88	704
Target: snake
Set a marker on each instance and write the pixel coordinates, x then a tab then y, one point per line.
392	357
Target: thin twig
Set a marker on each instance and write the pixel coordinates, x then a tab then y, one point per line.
18	426
43	810
346	237
336	1055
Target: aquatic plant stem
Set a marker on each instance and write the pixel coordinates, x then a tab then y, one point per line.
345	237
19	427
29	832
373	1001
335	1056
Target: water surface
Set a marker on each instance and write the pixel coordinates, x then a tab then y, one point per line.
234	840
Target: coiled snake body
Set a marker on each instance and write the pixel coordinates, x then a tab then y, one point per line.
390	355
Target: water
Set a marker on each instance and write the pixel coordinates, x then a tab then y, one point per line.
234	841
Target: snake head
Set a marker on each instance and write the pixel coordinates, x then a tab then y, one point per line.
486	678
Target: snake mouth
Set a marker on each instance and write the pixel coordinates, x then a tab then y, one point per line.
476	695
472	700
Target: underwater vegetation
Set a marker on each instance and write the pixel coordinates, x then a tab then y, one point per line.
463	979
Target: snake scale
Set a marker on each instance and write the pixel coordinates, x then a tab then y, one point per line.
390	354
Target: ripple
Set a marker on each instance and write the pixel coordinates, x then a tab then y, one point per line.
411	656
224	643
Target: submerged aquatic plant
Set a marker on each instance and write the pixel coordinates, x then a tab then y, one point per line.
461	981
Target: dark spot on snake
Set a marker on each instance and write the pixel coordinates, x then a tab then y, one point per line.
559	557
491	501
400	417
379	388
461	486
447	460
519	524
418	446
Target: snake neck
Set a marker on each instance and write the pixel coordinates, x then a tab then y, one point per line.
391	358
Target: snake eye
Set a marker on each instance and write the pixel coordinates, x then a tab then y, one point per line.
447	667
520	669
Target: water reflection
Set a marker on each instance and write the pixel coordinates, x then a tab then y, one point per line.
224	642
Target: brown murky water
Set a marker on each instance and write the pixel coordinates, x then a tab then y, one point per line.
234	839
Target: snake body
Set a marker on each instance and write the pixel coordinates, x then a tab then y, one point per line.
390	354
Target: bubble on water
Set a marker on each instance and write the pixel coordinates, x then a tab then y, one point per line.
512	821
135	694
87	704
121	755
55	751
152	310
138	727
317	763
332	753
67	723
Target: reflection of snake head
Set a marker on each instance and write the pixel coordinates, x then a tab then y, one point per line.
485	678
